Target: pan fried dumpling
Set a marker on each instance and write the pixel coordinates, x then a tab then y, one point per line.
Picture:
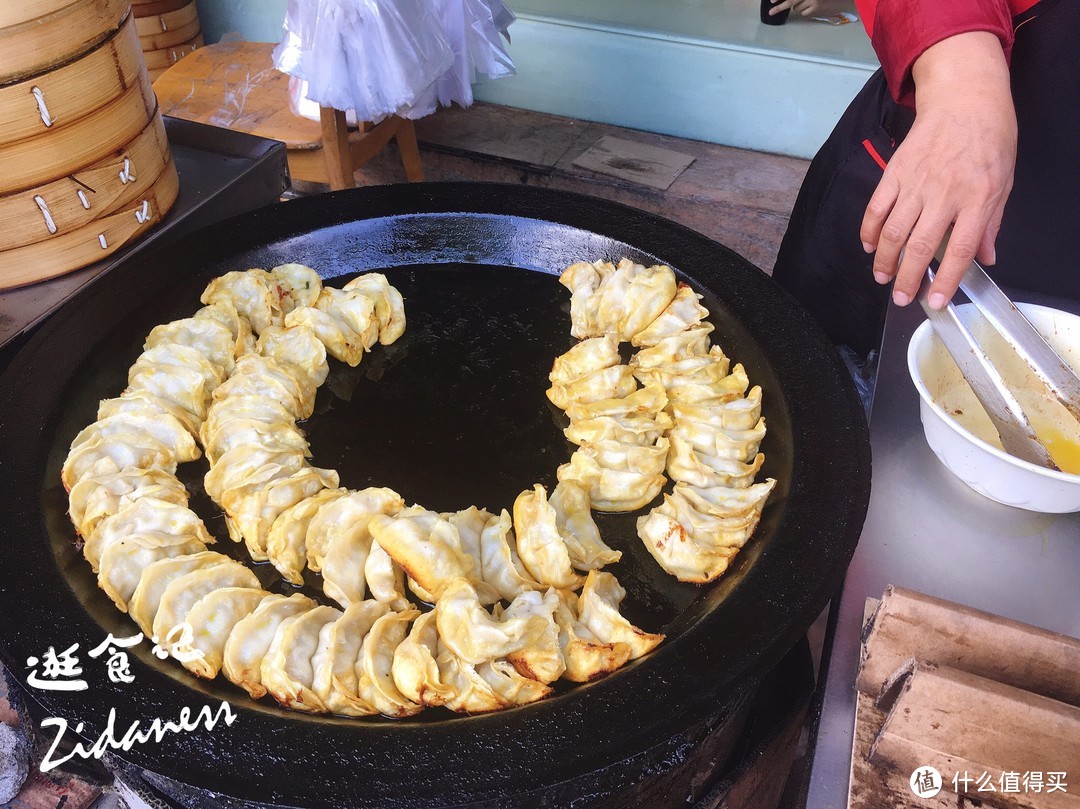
255	294
389	306
143	402
298	285
471	693
539	542
105	456
509	686
385	578
646	401
618	477
541	658
583	279
250	639
731	414
470	524
415	669
375	682
177	374
123	561
472	633
180	596
144	602
287	672
254	407
346	522
501	568
687	465
706	370
646	295
599	612
694	342
286	544
180	385
239	327
355	309
93	499
299	351
669	537
254	511
140	401
145	515
577	528
586	658
737	445
334	664
333	332
729	503
642	431
210	337
212	620
614	382
682	313
263	376
159	426
699	388
593	354
245	465
280	436
428	548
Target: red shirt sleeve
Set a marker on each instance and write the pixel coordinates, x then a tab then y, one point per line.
901	30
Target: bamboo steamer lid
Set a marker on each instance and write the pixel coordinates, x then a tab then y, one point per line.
148	8
169	21
165	58
92	242
71	202
171	38
53	100
35	161
33	46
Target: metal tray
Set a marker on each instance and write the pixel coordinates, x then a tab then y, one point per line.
451	415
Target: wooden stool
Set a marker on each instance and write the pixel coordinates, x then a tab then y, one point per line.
235	85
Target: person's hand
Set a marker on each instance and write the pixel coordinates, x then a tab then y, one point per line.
803	7
955	168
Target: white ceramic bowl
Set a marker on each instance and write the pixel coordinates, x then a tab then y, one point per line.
961	434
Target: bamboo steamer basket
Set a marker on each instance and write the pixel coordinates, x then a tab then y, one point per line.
169	39
148	8
162	60
86	158
155	24
34	161
64	205
168	31
93	241
53	100
16	12
33	46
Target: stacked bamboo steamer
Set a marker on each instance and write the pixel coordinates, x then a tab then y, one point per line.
85	166
168	31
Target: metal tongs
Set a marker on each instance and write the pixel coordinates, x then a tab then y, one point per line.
1017	435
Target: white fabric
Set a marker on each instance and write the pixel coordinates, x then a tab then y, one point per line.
375	58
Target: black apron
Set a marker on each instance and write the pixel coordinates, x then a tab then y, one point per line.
821	260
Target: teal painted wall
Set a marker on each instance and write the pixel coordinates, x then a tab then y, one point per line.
701	69
253	20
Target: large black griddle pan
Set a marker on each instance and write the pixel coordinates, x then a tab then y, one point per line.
451	415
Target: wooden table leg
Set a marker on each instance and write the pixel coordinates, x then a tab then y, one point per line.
335	138
410	151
